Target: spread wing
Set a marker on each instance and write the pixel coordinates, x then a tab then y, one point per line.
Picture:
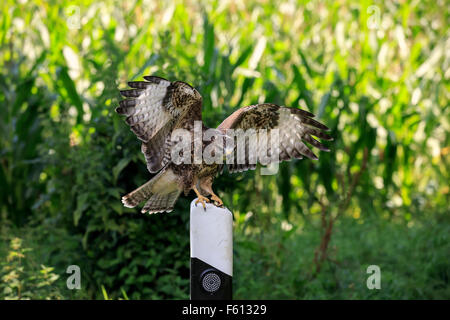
295	127
153	108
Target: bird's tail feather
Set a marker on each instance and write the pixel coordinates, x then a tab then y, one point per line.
161	192
135	197
161	202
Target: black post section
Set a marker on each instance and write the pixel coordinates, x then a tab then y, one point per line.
209	283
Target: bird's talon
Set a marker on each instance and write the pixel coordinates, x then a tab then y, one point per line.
203	200
217	201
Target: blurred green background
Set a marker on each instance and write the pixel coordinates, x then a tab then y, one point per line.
377	73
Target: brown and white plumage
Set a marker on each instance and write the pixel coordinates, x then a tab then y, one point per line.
156	107
153	109
295	127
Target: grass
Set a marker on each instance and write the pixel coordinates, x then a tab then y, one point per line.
412	261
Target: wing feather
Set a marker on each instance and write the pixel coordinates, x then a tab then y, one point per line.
295	127
153	108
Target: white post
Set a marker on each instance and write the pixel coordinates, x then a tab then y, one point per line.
211	252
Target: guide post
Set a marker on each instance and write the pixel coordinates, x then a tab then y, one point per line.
211	235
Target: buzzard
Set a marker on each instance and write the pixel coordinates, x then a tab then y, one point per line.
156	108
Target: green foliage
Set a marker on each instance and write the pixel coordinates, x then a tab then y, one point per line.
412	260
22	279
120	254
380	196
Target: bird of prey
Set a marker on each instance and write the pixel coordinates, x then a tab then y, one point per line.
155	108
